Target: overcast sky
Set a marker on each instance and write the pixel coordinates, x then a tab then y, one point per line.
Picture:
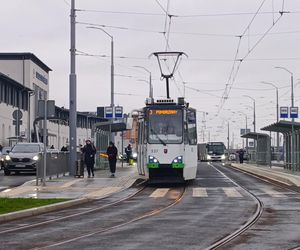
211	32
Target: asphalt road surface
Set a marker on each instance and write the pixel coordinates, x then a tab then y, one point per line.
14	180
194	216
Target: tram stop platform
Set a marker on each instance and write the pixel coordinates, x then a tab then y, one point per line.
275	173
78	190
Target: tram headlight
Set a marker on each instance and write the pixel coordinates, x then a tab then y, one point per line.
152	159
223	157
208	157
178	159
7	158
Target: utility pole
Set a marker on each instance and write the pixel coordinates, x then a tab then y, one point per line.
72	94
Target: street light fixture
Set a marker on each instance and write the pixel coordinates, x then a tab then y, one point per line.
111	72
150	80
292	84
112	63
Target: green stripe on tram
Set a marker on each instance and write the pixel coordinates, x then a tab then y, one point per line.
153	165
177	165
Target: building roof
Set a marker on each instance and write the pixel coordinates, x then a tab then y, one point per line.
282	127
12	81
25	56
254	135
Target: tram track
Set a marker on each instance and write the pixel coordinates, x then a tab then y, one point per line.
141	217
128	202
73	215
259	211
250	222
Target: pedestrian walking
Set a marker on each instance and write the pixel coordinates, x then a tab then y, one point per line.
128	151
89	152
241	155
112	153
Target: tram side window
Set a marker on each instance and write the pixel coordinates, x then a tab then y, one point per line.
192	127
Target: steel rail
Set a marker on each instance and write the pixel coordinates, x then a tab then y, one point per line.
141	217
76	214
268	180
251	221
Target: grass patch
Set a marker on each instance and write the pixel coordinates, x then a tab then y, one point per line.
8	205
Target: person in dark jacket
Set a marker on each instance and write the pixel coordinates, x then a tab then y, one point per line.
89	152
112	153
128	151
241	155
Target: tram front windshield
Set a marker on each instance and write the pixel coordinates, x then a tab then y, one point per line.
165	126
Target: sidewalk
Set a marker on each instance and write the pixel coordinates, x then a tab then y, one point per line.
78	190
276	173
75	188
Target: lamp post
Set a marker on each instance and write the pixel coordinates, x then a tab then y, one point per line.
111	71
30	93
293	119
292	85
150	80
277	114
254	116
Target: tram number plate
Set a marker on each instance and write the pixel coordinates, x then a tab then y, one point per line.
153	151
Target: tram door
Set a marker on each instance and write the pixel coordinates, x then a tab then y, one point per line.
141	163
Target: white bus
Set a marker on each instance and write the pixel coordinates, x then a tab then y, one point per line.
167	141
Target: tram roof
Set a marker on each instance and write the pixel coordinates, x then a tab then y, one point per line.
282	127
255	136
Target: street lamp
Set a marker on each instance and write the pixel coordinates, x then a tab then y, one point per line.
277	114
150	80
30	93
112	64
111	72
292	85
254	120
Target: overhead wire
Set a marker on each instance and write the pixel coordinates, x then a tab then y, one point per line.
232	77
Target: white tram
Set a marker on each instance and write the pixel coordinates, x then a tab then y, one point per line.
167	141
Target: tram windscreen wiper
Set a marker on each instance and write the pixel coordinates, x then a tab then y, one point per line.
157	136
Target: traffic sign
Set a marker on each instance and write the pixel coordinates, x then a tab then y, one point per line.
118	112
284	112
108	112
293	112
17	114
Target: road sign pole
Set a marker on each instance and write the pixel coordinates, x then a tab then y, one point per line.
45	143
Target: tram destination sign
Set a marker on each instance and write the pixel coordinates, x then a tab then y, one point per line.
163	112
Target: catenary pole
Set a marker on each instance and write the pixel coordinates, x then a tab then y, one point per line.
72	94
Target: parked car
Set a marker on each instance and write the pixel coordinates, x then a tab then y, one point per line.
23	157
3	153
232	157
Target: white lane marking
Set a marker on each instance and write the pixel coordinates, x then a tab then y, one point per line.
232	192
159	192
199	192
273	193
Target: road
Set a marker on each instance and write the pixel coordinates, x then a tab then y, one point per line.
219	202
13	180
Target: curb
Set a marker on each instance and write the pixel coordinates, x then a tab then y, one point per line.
267	175
41	210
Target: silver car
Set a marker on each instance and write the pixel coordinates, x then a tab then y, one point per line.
23	158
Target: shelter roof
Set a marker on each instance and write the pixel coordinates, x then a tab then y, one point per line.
255	136
282	127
